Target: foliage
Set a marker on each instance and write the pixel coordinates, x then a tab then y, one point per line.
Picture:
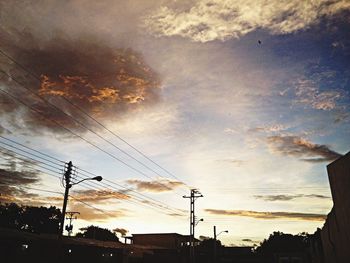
208	244
279	242
98	233
30	218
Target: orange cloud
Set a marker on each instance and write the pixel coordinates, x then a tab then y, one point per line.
161	185
98	196
268	215
105	82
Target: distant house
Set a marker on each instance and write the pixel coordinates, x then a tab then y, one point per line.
162	240
164	247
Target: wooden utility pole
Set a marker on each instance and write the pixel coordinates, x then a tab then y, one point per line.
67	177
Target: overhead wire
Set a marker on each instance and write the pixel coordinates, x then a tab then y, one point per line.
79	136
42	190
34	169
75	134
139	199
44	154
91	206
76	199
134	200
87	173
28	158
94	119
81	124
17	148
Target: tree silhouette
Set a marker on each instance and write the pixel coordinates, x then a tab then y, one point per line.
30	218
208	244
40	219
279	242
98	233
9	215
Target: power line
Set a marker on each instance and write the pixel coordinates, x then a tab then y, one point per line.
14	147
269	188
141	200
92	118
81	124
34	169
82	138
27	158
78	200
134	200
41	190
126	188
31	149
91	206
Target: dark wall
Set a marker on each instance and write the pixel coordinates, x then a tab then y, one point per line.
336	231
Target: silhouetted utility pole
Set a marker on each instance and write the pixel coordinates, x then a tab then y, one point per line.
71	216
193	196
66	180
214	254
215	243
67	177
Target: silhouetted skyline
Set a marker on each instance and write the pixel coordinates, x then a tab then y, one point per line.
159	97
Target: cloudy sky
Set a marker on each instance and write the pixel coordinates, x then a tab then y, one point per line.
247	101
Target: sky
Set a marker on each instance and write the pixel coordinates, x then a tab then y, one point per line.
246	101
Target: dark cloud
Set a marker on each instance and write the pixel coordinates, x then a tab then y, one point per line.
248	240
268	215
105	80
318	196
283	197
161	185
177	214
121	231
300	147
17	178
14	178
99	196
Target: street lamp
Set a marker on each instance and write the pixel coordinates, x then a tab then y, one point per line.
97	178
215	237
200	220
68	185
225	231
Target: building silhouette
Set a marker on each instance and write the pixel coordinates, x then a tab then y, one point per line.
333	246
